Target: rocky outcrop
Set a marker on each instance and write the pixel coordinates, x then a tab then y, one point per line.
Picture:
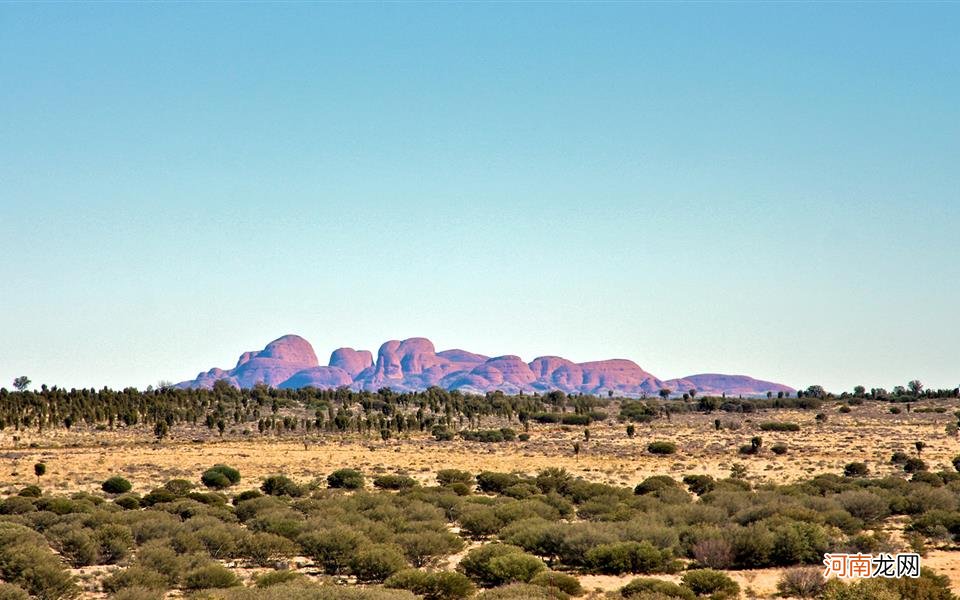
351	361
414	364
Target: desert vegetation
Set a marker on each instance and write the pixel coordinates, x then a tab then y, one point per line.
330	526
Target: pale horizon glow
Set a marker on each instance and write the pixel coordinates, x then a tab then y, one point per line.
761	189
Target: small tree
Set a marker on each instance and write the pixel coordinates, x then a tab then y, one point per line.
21	383
161	429
919	446
665	393
39	470
631	430
576	450
916	387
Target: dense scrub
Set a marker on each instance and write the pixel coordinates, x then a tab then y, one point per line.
535	532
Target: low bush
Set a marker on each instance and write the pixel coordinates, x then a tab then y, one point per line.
707	582
438	585
128	502
135	576
394	482
280	485
348	479
374	563
278	577
779	426
9	591
212	575
522	591
489	436
801	582
116	485
568	584
515	568
31	491
914	465
476	564
450	476
662	448
655	483
265	549
855	469
628	557
646	587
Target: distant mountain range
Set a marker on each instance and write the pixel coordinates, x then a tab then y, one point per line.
414	364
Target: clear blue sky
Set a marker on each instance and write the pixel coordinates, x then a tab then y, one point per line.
738	188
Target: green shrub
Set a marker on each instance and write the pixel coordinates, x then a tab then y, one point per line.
779	448
442	434
779	426
212	575
9	591
278	577
32	567
568	584
662	448
855	469
135	576
423	547
699	484
437	585
31	491
495	483
522	591
280	485
114	541
215	479
628	557
478	523
514	568
489	436
656	588
180	487
655	484
128	502
157	555
158	496
265	549
394	482
17	505
707	582
914	465
450	476
246	495
332	548
899	457
374	563
116	485
476	564
348	479
75	545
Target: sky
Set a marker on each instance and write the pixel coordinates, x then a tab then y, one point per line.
762	189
